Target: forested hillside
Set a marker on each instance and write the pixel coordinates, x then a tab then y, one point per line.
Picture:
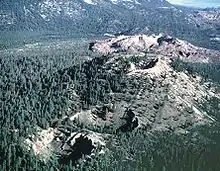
84	19
45	91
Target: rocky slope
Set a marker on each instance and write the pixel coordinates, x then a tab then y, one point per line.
123	92
160	44
207	17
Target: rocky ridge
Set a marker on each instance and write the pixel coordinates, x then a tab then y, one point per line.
135	89
159	44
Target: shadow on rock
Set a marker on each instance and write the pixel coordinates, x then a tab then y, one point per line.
82	146
131	122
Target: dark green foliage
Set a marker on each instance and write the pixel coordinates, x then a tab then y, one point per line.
208	71
94	82
140	151
30	94
36	91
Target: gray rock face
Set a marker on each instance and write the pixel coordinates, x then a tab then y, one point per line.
160	44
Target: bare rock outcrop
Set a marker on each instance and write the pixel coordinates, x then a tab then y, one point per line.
124	92
160	44
69	146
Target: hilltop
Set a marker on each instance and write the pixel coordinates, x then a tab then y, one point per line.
134	86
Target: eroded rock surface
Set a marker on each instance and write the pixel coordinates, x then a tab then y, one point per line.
67	145
160	44
123	92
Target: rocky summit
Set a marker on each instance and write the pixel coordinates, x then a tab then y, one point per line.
133	86
159	44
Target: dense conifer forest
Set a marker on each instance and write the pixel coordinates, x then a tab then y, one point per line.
53	78
35	91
